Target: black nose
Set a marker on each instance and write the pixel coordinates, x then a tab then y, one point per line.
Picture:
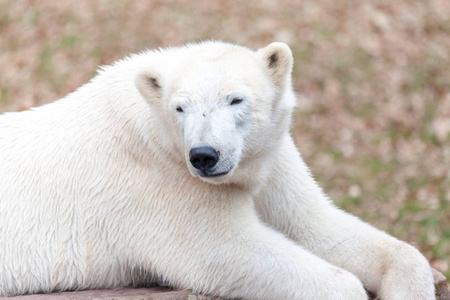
203	158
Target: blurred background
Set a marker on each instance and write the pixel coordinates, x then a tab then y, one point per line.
372	78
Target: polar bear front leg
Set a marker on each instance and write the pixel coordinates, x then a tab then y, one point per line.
292	203
238	257
262	264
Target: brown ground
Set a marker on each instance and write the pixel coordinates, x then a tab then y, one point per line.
372	77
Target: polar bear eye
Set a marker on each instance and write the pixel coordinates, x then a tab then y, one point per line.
236	101
179	109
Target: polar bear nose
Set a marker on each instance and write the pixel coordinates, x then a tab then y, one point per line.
203	158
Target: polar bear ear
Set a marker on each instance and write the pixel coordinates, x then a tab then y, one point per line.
277	61
148	83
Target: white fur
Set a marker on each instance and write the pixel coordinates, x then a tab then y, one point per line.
96	189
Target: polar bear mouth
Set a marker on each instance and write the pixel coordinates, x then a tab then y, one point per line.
215	175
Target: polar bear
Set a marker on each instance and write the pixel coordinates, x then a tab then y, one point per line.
177	166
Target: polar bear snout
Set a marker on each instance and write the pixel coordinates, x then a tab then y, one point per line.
203	158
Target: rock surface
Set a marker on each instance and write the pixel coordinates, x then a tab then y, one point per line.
156	293
159	293
442	290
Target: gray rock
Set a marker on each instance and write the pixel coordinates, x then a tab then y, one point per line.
442	290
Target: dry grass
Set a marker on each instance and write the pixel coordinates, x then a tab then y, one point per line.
373	82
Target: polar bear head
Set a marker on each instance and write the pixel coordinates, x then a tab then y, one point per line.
220	107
